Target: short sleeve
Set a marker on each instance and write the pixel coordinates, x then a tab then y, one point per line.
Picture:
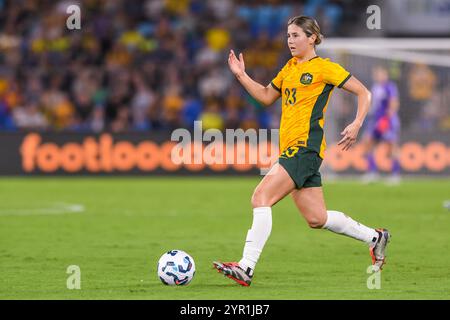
277	82
335	74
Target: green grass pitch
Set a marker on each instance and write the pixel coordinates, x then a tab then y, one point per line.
115	230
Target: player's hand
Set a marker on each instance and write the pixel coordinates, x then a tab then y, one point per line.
236	65
350	133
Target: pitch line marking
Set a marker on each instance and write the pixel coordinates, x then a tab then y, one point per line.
53	209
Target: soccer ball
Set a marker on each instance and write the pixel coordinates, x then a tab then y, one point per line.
176	267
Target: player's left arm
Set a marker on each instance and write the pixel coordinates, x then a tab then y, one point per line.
350	133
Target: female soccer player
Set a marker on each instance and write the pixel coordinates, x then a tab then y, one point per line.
305	84
383	125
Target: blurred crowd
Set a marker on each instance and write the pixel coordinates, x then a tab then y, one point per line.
161	64
142	65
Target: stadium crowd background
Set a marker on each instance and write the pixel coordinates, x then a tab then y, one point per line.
151	65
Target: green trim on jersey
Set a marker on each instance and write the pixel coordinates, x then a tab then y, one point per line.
275	87
315	136
344	81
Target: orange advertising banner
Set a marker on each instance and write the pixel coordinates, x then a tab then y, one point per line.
134	153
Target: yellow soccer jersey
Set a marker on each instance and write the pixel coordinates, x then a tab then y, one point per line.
305	89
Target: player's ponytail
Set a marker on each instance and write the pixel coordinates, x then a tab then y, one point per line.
309	27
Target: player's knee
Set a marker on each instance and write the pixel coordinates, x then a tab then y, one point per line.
316	222
259	199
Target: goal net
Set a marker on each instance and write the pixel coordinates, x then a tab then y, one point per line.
420	68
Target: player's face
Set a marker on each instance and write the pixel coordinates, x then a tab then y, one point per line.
297	40
380	75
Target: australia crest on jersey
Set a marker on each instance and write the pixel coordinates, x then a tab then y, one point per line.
306	78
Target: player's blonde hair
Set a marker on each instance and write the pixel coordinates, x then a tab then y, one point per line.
309	27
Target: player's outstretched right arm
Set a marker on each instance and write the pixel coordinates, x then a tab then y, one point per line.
265	95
